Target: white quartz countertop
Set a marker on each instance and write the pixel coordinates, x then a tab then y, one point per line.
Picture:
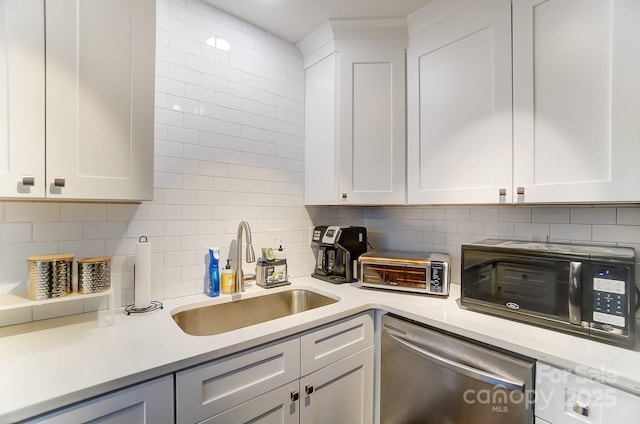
49	364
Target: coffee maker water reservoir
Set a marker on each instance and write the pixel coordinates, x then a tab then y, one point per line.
338	249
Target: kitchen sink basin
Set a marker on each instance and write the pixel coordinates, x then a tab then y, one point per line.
222	317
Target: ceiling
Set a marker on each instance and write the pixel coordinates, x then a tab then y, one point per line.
293	19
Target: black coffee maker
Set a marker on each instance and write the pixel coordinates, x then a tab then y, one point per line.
338	249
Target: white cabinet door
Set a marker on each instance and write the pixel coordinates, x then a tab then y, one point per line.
576	90
339	393
210	389
354	112
320	160
459	108
150	402
279	406
372	122
100	65
22	98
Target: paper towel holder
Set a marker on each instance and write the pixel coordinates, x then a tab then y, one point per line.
154	304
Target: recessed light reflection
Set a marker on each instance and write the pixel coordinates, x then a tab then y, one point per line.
219	44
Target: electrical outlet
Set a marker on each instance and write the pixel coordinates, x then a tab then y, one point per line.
275	238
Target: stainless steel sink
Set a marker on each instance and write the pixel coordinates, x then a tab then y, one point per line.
222	317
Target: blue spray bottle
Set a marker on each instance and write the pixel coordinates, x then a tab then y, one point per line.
214	272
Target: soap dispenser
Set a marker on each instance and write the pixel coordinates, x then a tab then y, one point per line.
214	272
228	279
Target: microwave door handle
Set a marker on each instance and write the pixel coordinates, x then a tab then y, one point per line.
575	299
463	369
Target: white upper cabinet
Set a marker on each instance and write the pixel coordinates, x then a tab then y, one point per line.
576	90
459	107
572	133
22	98
97	142
354	112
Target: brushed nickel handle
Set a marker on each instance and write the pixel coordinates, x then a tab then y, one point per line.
581	409
28	181
503	192
308	389
294	396
59	182
520	190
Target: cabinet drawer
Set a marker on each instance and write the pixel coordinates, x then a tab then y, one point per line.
150	402
563	397
206	390
333	342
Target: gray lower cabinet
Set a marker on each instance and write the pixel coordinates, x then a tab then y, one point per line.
276	406
324	375
341	392
150	402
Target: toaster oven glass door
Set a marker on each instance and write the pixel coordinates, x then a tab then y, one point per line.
394	275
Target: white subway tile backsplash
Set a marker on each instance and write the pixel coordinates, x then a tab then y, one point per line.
84	248
168	180
514	214
532	231
571	232
51	231
165	212
127	212
483	214
445	226
104	230
29	212
616	233
145	228
628	216
593	215
19	252
179	197
551	215
499	229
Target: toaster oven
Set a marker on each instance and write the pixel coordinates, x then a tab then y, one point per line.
417	272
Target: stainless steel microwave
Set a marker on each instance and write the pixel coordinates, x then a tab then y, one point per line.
581	289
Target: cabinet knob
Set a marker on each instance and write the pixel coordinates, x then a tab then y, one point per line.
59	182
308	389
344	196
294	396
28	181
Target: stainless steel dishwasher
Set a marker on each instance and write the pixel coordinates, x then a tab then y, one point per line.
430	377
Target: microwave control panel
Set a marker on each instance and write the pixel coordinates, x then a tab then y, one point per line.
610	295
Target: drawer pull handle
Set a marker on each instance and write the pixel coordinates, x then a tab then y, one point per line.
581	409
59	182
28	181
294	396
308	389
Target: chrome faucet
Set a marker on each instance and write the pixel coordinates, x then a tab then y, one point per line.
251	257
